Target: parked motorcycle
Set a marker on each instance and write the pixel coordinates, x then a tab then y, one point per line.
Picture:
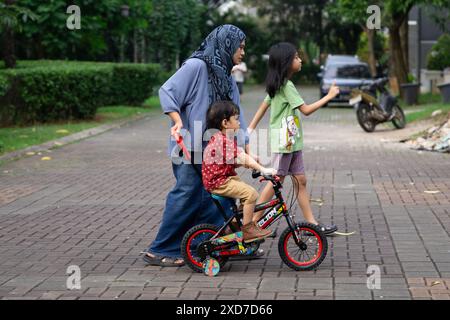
372	110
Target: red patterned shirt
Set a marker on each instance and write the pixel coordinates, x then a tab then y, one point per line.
219	161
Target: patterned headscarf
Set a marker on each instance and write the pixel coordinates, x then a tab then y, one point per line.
217	50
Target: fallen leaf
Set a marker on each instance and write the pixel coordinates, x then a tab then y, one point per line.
46	158
62	131
318	201
432	191
30	153
435	283
58	143
346	234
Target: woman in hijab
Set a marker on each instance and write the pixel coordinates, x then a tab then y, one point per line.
202	79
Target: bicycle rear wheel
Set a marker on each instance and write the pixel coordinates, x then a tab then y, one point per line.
192	239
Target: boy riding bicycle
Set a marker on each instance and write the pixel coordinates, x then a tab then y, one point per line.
219	163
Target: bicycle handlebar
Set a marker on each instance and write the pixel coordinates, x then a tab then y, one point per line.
256	174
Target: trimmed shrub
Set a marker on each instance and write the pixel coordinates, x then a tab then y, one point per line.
133	83
49	91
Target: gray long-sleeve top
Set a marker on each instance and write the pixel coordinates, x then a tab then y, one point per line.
186	92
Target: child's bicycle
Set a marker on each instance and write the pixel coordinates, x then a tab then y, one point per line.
205	248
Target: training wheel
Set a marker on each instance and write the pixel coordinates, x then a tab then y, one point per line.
211	267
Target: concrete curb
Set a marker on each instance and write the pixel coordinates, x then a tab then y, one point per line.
57	143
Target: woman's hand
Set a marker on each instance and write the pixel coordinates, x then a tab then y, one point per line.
175	130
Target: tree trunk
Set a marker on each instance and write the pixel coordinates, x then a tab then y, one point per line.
405	42
399	66
398	40
320	10
122	48
371	47
135	46
143	49
8	48
9	43
39	52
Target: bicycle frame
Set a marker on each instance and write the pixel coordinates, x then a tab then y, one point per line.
277	208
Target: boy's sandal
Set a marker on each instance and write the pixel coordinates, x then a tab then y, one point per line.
162	261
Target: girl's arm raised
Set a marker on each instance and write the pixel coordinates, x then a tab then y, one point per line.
258	116
307	109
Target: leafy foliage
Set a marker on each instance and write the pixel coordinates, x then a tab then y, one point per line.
439	57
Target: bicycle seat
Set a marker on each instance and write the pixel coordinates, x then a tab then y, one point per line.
228	204
220	198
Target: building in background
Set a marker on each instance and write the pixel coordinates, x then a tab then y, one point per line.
423	34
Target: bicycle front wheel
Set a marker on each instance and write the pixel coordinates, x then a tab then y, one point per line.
306	256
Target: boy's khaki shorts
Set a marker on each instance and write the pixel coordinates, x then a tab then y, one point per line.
237	189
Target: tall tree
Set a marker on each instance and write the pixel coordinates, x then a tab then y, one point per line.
175	30
396	15
291	20
11	18
356	12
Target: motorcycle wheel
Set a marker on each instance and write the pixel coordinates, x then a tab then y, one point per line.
364	119
399	120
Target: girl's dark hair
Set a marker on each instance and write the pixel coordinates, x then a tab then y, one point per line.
219	111
281	56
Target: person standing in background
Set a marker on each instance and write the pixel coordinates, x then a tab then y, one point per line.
238	73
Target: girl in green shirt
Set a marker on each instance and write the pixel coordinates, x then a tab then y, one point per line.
286	135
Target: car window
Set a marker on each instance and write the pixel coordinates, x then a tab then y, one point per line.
330	72
348	72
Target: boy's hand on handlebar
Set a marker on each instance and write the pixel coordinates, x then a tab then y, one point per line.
334	90
268	171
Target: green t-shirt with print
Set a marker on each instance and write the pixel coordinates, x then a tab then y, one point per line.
286	134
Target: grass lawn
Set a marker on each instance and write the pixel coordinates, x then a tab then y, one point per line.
426	111
16	138
427	104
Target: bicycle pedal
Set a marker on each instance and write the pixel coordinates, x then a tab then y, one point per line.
273	235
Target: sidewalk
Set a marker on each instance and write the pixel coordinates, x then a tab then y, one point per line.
98	203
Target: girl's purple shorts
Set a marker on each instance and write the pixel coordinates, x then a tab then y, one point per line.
288	163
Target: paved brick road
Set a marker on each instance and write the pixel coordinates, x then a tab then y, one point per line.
98	203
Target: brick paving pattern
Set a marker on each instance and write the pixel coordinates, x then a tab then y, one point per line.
98	203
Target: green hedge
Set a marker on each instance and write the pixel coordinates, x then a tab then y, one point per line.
43	91
439	56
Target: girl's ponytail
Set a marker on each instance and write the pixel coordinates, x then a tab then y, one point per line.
281	57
